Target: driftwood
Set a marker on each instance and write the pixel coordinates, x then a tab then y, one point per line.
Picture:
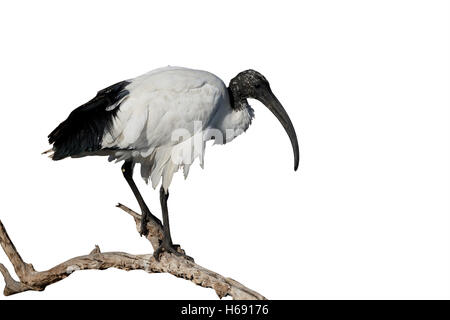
179	266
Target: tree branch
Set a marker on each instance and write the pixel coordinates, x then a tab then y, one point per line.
179	266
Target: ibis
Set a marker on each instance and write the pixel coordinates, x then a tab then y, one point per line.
162	120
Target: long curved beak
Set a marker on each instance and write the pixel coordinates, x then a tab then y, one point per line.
271	102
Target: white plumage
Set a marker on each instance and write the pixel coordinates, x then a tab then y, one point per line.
166	103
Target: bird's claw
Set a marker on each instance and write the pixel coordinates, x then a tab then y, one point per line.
171	248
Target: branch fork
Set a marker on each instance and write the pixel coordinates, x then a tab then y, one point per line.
179	266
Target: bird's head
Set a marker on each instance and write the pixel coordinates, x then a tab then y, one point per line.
252	84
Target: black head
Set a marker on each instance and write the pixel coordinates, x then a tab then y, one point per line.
248	84
252	84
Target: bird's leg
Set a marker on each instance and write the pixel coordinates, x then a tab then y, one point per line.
166	243
127	170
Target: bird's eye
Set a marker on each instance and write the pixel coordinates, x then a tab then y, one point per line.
257	86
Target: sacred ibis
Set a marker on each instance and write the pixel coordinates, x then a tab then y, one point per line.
162	120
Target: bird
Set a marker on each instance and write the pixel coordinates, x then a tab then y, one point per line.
162	120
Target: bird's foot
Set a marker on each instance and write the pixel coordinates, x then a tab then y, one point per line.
167	246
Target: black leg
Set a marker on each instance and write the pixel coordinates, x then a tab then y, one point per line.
163	196
127	170
167	244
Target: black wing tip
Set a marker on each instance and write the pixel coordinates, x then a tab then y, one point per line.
83	130
56	157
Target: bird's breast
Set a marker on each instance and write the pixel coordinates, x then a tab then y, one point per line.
230	123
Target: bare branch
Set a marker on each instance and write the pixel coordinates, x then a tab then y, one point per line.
155	232
179	266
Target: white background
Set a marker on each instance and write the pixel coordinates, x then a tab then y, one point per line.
366	84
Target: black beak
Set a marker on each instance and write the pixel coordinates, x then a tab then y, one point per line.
267	97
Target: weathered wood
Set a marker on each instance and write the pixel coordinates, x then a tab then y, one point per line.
179	266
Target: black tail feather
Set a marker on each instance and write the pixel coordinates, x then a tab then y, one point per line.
83	130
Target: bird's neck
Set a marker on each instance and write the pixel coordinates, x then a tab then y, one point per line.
232	123
237	102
